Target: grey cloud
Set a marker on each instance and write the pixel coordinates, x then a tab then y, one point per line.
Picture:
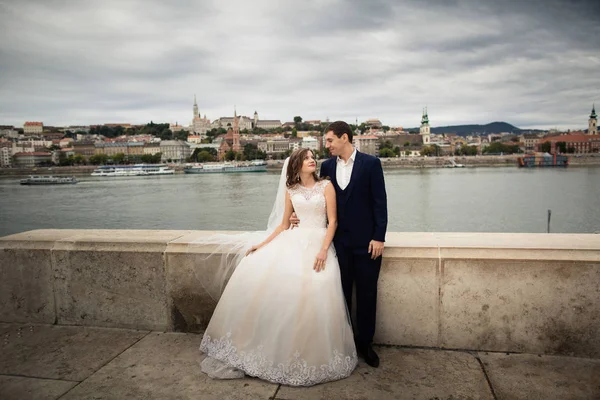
469	61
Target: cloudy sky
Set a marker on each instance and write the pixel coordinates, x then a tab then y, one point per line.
532	63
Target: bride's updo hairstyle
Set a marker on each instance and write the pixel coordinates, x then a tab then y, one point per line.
295	166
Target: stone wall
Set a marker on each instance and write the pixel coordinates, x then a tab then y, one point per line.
535	293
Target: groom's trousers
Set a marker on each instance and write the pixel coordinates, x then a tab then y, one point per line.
357	268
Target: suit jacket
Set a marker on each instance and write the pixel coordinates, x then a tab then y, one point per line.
362	206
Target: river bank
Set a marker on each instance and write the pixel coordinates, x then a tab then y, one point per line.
388	163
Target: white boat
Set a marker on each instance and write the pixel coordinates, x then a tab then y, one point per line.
48	180
453	164
133	170
252	166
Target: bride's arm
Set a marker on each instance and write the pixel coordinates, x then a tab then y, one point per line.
285	224
331	205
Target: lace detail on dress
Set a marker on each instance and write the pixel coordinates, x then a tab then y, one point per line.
308	193
309	204
295	371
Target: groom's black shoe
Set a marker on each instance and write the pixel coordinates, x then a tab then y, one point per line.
369	355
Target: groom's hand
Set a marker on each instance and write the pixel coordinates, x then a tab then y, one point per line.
375	248
294	221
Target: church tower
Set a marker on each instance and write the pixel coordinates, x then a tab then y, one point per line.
236	133
255	119
425	130
195	108
593	122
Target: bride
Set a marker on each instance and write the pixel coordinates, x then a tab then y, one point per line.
282	316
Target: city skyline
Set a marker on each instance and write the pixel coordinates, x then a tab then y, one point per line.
71	63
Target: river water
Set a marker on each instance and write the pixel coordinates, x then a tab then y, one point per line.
505	199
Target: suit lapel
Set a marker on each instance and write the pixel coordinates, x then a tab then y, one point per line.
355	171
333	176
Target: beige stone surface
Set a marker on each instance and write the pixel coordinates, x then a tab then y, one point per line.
62	352
407	306
165	366
190	282
5	329
40	238
405	374
527	376
479	291
521	306
25	284
114	279
22	388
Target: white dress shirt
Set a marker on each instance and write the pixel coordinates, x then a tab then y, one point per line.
343	170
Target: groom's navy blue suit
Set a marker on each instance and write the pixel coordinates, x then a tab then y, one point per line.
362	217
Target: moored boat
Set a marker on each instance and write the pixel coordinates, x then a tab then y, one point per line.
252	166
48	180
133	170
543	160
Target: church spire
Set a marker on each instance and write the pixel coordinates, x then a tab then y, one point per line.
593	122
425	118
195	108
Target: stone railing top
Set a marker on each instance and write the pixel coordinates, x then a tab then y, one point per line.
582	247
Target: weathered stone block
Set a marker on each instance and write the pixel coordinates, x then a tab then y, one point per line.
26	293
165	366
521	305
113	279
528	376
407	304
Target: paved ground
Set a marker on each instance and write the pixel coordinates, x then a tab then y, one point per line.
64	362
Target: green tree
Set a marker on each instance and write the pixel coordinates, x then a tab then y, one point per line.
230	155
98	159
498	147
118	158
297	120
294	132
204	156
546	147
251	152
363	128
212	152
561	146
78	159
118	131
406	144
385	128
147	158
386	152
427	151
156	158
468	150
181	135
387	145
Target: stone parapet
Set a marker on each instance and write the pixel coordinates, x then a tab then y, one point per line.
534	293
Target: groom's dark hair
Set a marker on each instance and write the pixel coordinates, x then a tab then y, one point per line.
339	128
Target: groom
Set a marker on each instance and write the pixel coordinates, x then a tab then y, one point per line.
360	235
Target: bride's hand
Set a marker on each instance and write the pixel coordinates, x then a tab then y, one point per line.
252	250
320	261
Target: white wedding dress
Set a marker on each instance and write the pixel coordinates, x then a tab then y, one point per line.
277	318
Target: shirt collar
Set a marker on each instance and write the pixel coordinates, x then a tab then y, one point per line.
352	158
